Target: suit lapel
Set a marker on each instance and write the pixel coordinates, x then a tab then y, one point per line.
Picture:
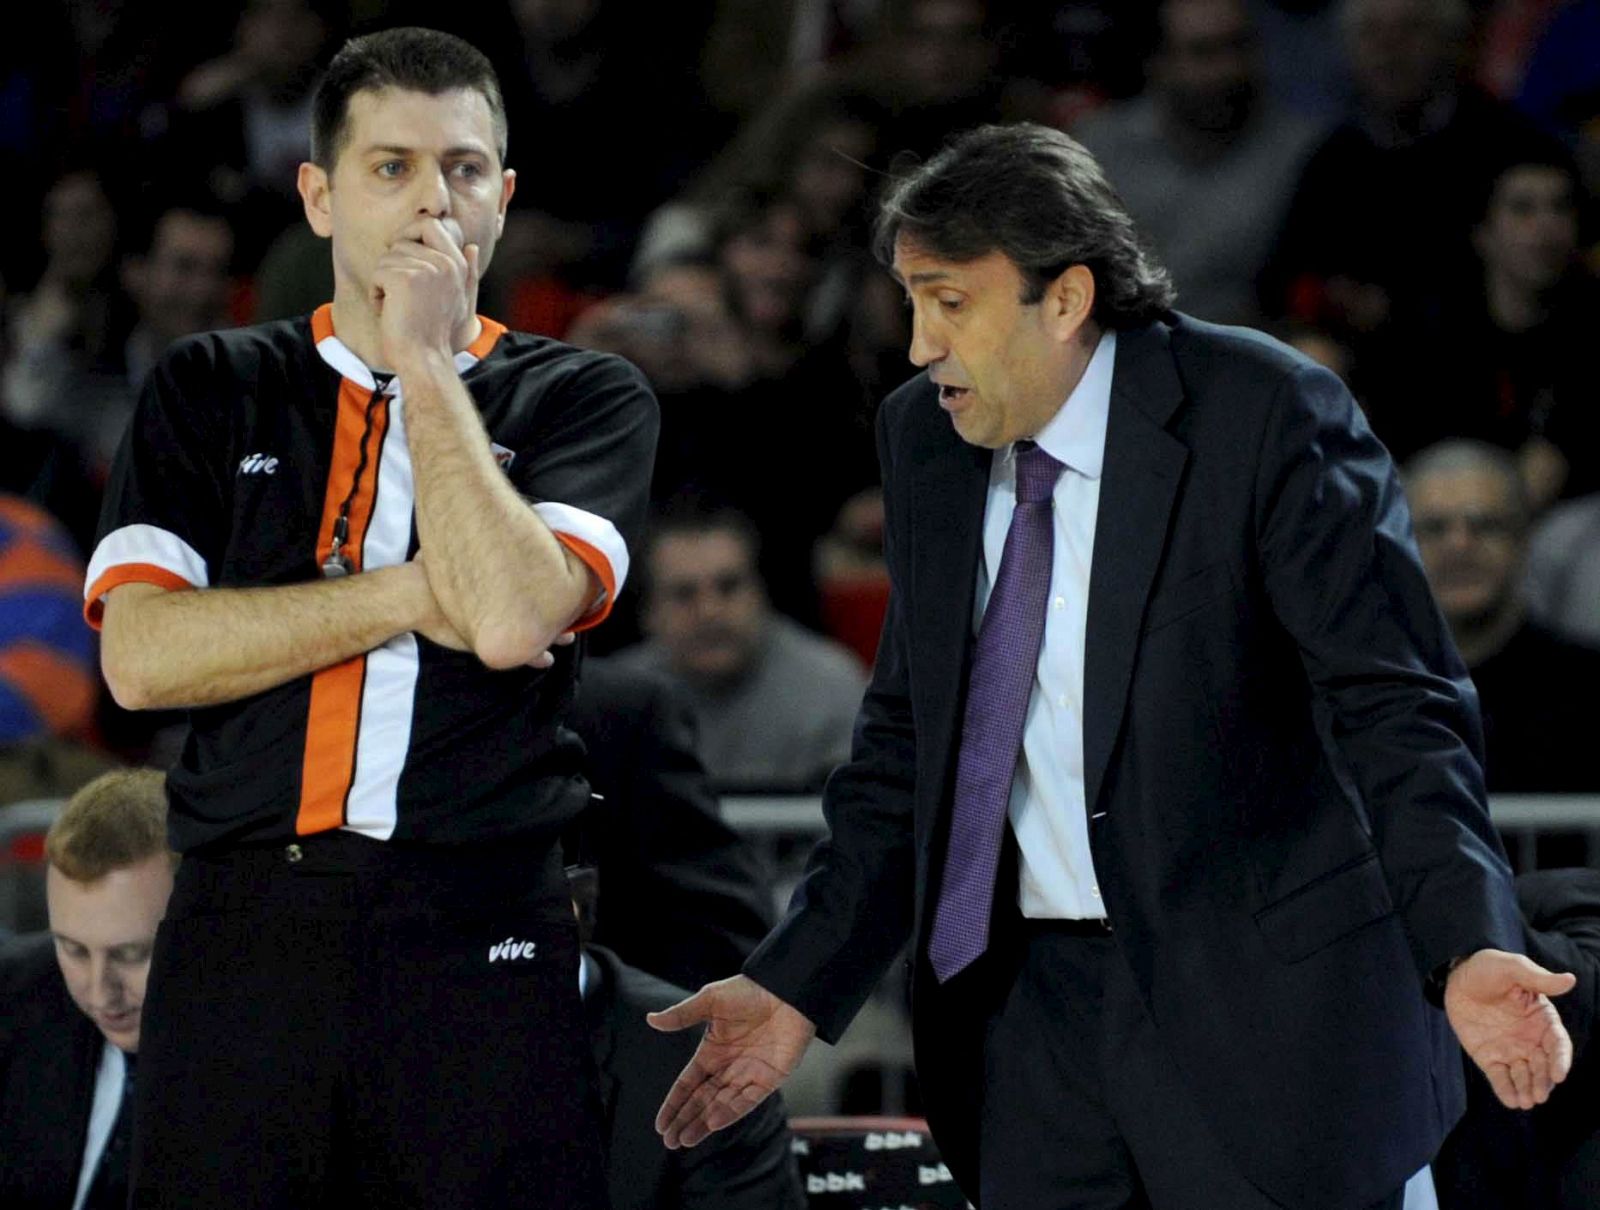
950	487
1143	469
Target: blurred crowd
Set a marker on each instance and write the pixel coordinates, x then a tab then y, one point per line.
1404	189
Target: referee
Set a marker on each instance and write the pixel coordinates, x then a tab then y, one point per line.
349	545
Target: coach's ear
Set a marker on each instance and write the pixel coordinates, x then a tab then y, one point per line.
313	186
1069	302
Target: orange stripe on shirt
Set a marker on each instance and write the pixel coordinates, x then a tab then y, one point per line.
61	691
333	721
127	573
491	331
595	561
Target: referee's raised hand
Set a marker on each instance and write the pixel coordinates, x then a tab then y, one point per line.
425	287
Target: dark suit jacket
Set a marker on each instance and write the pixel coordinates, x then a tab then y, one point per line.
682	895
49	1054
1281	738
746	1167
1550	1157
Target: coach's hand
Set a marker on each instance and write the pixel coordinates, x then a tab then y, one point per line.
751	1045
425	288
1499	1005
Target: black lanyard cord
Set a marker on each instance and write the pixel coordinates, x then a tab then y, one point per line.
338	563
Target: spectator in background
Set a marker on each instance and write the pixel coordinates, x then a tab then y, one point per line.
69	330
853	575
1204	161
1508	361
774	703
755	49
1470	514
1303	58
1067	60
937	69
71	1001
48	681
607	151
1380	218
810	154
723	338
747	1167
1562	585
241	123
179	285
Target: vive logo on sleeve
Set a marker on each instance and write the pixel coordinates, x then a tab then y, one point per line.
511	949
258	464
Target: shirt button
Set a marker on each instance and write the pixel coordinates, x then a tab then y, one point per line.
1062	701
1095	891
1061	602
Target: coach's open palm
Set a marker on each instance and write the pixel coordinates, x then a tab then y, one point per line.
1498	1004
751	1044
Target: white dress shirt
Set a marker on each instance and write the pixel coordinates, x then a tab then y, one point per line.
1056	878
102	1115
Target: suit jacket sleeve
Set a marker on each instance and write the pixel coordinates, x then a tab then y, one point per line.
853	908
1344	578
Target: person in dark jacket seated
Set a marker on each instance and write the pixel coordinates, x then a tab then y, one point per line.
1549	1157
686	896
747	1167
71	999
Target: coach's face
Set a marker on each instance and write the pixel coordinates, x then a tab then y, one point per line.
104	931
406	158
1003	366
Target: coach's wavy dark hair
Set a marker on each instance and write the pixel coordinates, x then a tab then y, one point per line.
1039	197
415	59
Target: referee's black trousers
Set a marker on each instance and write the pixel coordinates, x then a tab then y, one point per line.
349	1023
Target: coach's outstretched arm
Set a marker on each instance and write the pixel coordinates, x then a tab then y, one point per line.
1341	569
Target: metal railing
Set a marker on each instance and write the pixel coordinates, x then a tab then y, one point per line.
769	820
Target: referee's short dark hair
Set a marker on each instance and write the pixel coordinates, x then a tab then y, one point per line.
1039	197
410	58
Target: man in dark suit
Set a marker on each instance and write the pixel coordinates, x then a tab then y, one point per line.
71	1000
685	895
1167	768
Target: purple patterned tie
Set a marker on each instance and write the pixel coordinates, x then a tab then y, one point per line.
1003	670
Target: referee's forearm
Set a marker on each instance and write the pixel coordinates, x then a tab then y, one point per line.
164	650
500	575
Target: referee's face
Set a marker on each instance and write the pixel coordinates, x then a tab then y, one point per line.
408	156
104	931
